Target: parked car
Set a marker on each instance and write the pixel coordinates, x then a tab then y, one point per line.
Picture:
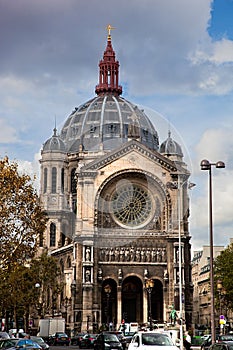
40	341
223	345
121	337
4	335
206	344
13	333
87	341
6	343
59	338
152	341
107	341
225	337
15	343
76	339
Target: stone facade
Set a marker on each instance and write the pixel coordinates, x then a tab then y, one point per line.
115	218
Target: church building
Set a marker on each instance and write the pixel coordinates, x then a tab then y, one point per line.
118	208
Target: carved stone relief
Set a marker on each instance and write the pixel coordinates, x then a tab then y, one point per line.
130	254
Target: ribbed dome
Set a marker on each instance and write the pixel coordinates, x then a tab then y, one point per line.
170	147
106	122
54	143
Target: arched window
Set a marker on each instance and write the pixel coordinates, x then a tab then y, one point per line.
62	265
68	262
45	179
41	242
54	180
73	181
52	235
62	180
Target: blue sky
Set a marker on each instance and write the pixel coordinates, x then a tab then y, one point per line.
176	60
221	20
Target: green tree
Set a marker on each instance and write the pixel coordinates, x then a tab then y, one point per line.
223	271
22	219
48	281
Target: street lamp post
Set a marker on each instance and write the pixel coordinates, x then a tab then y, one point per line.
206	165
221	292
219	289
180	267
178	186
149	287
66	304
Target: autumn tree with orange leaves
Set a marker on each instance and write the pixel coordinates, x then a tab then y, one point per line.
22	219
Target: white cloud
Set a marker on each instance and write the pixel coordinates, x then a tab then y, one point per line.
32	169
216	144
217	52
8	134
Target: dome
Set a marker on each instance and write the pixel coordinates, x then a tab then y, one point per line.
108	120
54	143
170	147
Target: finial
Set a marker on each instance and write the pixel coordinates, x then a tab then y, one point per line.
55	126
109	28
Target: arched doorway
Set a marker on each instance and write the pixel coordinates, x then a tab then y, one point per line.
132	305
157	302
109	302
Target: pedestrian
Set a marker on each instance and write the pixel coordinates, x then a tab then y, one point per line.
187	341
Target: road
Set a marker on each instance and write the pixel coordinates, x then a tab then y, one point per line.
64	347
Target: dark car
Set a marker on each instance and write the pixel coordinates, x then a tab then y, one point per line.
107	341
223	345
59	338
77	339
121	337
7	343
206	344
87	341
14	344
40	341
225	337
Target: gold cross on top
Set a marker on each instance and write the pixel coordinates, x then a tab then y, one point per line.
109	28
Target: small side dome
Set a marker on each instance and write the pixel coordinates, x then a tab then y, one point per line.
54	143
170	147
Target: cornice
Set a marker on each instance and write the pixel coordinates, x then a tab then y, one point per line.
132	145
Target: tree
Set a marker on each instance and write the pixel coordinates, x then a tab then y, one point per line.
47	276
22	219
223	271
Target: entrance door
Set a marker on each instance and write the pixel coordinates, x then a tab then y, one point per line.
132	300
157	302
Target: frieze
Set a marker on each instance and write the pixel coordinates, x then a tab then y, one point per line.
87	174
133	254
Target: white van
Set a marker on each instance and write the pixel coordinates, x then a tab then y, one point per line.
129	328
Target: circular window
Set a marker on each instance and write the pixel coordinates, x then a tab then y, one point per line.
131	205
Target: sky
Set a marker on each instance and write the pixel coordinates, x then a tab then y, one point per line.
176	61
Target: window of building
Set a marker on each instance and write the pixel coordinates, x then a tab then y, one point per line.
54	180
62	179
45	179
41	239
73	181
52	235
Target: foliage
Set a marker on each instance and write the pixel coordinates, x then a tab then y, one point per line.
223	271
47	277
29	289
21	218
